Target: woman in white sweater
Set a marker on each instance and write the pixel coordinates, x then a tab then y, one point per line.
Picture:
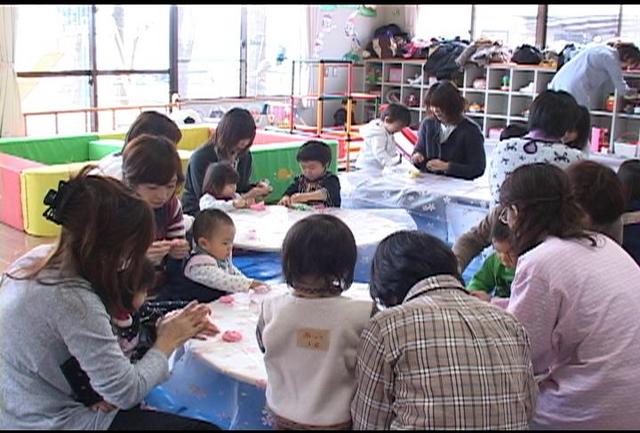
56	303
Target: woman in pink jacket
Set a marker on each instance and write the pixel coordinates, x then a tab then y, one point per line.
577	293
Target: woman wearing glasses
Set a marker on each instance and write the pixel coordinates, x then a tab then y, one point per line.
576	293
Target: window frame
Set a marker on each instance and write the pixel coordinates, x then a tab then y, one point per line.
93	72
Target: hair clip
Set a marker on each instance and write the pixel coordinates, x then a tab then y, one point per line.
57	200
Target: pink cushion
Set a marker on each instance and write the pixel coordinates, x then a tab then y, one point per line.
10	197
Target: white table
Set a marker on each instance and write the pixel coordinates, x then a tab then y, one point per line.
265	230
222	382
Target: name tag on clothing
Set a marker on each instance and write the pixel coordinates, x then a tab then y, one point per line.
314	339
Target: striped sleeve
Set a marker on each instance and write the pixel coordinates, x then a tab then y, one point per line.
206	271
175	220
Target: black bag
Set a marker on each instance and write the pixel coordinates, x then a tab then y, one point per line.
390	30
527	55
568	52
442	62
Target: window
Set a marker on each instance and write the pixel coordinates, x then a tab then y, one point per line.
275	38
52	38
132	64
446	21
132	37
54	93
630	29
568	23
209	51
514	25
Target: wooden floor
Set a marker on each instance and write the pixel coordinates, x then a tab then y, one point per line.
14	243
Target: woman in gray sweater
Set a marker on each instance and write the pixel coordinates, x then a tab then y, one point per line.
56	302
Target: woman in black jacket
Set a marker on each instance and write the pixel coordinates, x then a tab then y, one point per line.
233	138
448	142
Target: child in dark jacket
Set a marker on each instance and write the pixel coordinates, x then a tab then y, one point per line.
629	174
316	185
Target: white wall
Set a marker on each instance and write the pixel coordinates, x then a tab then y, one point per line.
335	45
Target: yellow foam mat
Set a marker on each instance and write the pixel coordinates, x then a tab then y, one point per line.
35	183
192	136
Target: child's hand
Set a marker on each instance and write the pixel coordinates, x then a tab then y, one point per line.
241	203
158	250
259	286
102	406
285	201
262	189
417	158
179	248
298	198
483	296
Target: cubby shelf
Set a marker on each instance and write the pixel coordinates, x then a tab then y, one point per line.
500	107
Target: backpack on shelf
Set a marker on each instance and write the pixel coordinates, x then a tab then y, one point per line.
568	52
441	62
527	54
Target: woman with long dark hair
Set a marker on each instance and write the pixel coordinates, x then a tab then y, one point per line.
56	302
232	140
577	293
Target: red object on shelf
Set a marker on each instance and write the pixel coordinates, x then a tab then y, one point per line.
599	139
609	103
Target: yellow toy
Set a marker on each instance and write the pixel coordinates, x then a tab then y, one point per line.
414	173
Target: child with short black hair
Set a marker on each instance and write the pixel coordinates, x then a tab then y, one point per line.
210	264
316	185
577	137
629	174
310	336
379	147
498	270
219	188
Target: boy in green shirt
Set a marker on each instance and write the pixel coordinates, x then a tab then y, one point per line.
498	269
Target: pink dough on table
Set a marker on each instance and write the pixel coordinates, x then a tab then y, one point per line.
228	299
258	206
231	336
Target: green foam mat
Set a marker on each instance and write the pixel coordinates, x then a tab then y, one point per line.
55	150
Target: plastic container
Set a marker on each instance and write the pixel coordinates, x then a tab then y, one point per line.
629	150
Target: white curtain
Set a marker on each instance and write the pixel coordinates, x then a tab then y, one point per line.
11	121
